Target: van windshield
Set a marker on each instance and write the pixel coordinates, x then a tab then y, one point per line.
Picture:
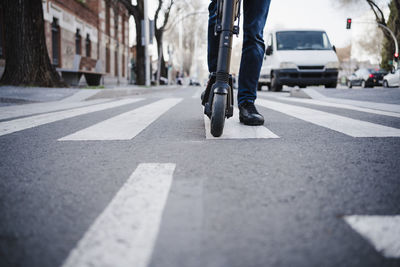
302	40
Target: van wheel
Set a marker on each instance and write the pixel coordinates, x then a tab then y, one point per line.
349	84
363	85
275	86
331	85
259	86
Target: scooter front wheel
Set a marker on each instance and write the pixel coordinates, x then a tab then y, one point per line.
218	115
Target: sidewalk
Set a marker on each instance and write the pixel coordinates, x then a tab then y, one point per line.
13	95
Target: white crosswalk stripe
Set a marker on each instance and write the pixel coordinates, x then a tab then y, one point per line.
128	125
365	104
383	232
235	130
125	233
348	126
125	126
16	125
38	108
338	105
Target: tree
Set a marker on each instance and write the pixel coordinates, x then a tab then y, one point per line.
159	32
393	23
388	44
137	11
190	17
27	60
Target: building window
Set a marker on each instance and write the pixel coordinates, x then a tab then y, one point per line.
55	42
107	60
116	63
88	46
78	42
108	18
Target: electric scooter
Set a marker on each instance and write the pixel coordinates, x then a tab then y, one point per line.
218	97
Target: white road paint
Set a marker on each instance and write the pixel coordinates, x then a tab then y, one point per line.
125	126
125	233
198	92
235	130
81	95
383	232
348	126
16	125
338	105
366	104
15	111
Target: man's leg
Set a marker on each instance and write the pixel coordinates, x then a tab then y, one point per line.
213	41
255	16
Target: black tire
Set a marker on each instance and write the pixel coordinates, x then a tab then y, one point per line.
275	86
259	86
363	84
218	115
385	84
349	84
331	85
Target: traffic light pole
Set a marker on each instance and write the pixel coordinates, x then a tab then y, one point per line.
395	41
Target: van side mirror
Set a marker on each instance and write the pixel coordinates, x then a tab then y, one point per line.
268	52
392	71
334	48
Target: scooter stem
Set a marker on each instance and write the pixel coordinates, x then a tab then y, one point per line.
225	43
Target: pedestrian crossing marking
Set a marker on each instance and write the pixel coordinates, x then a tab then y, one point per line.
10	112
338	105
125	233
124	126
348	126
235	130
366	104
16	125
383	232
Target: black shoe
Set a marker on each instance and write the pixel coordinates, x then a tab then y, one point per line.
249	115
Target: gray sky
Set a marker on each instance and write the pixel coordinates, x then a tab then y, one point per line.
321	14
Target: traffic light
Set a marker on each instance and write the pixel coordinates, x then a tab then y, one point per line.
396	57
348	24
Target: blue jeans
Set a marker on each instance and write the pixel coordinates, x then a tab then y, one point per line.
255	15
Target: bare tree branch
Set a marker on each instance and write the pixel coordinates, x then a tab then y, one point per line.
160	4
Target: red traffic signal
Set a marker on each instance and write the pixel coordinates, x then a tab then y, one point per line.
348	24
396	57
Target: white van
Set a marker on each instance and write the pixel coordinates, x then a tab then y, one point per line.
299	57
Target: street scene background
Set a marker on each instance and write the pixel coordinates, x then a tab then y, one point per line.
106	155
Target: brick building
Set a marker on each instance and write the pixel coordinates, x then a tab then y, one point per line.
89	35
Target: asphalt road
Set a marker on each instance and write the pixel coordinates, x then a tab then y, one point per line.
100	198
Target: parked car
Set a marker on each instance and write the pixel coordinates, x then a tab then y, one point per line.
299	57
366	78
392	79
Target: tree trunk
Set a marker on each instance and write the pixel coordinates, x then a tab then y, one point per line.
159	39
164	69
140	60
388	44
27	60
